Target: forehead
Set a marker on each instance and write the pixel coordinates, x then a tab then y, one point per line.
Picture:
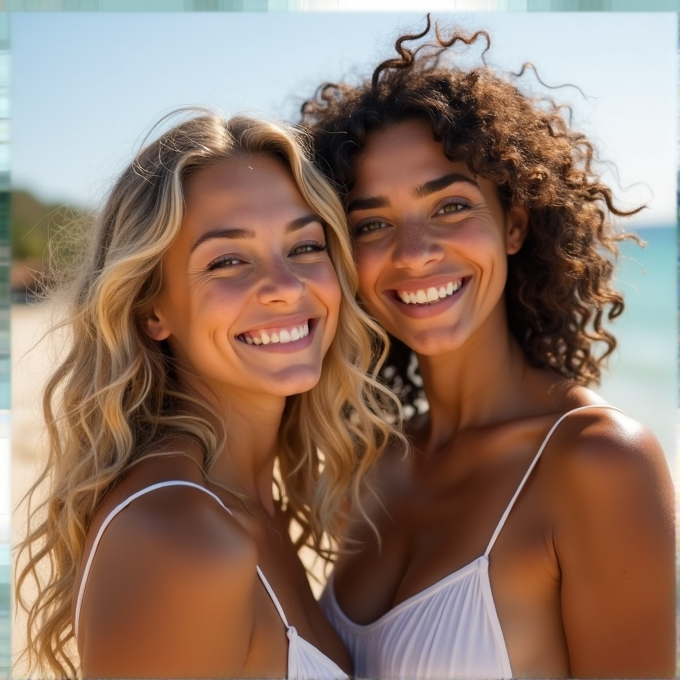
406	153
250	191
243	196
230	177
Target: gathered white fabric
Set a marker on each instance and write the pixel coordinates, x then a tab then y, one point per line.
305	662
449	630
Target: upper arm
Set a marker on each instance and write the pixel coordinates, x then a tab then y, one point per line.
170	593
615	544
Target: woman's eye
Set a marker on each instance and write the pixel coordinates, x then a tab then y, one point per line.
311	247
368	227
453	207
224	262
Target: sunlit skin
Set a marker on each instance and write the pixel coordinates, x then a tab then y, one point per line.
436	223
243	267
250	258
582	574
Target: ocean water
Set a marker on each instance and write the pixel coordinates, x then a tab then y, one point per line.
643	372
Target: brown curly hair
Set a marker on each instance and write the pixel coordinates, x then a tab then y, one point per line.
558	292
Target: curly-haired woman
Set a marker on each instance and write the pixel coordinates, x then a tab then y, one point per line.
213	333
530	533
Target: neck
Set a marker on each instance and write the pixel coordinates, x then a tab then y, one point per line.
251	422
473	385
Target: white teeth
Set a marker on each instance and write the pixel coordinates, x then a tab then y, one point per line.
282	337
432	294
429	295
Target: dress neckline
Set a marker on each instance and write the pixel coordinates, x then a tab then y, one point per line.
480	563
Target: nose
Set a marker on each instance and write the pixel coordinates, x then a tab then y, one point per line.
280	284
415	248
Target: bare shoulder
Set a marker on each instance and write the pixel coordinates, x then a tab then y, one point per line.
161	515
182	527
172	569
612	501
601	446
602	460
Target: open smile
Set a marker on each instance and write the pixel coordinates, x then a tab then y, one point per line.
277	335
432	294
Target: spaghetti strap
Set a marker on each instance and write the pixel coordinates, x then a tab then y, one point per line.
533	464
112	514
304	661
275	599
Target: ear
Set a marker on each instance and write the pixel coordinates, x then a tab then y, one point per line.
516	228
154	324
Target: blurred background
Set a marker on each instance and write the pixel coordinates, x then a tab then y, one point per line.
87	87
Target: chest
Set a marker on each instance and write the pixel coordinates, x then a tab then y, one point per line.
437	533
441	515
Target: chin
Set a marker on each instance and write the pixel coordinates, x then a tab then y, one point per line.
295	381
434	342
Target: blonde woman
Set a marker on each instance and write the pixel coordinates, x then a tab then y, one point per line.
214	334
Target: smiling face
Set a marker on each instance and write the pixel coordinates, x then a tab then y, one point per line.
431	240
250	299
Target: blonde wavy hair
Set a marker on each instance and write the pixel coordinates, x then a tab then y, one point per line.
113	399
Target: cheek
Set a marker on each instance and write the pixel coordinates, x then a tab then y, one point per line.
481	242
328	291
365	287
210	312
368	270
330	296
333	301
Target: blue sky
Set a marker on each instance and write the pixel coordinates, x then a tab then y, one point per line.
85	87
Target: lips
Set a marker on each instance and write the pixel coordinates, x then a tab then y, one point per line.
431	294
276	335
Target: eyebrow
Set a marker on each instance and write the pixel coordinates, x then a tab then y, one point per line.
425	189
367	204
234	234
303	221
440	183
223	233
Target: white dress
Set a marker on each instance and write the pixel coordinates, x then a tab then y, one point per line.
449	630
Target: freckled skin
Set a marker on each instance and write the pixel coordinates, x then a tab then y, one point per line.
582	573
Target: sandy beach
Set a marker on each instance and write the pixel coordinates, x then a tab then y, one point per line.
31	362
